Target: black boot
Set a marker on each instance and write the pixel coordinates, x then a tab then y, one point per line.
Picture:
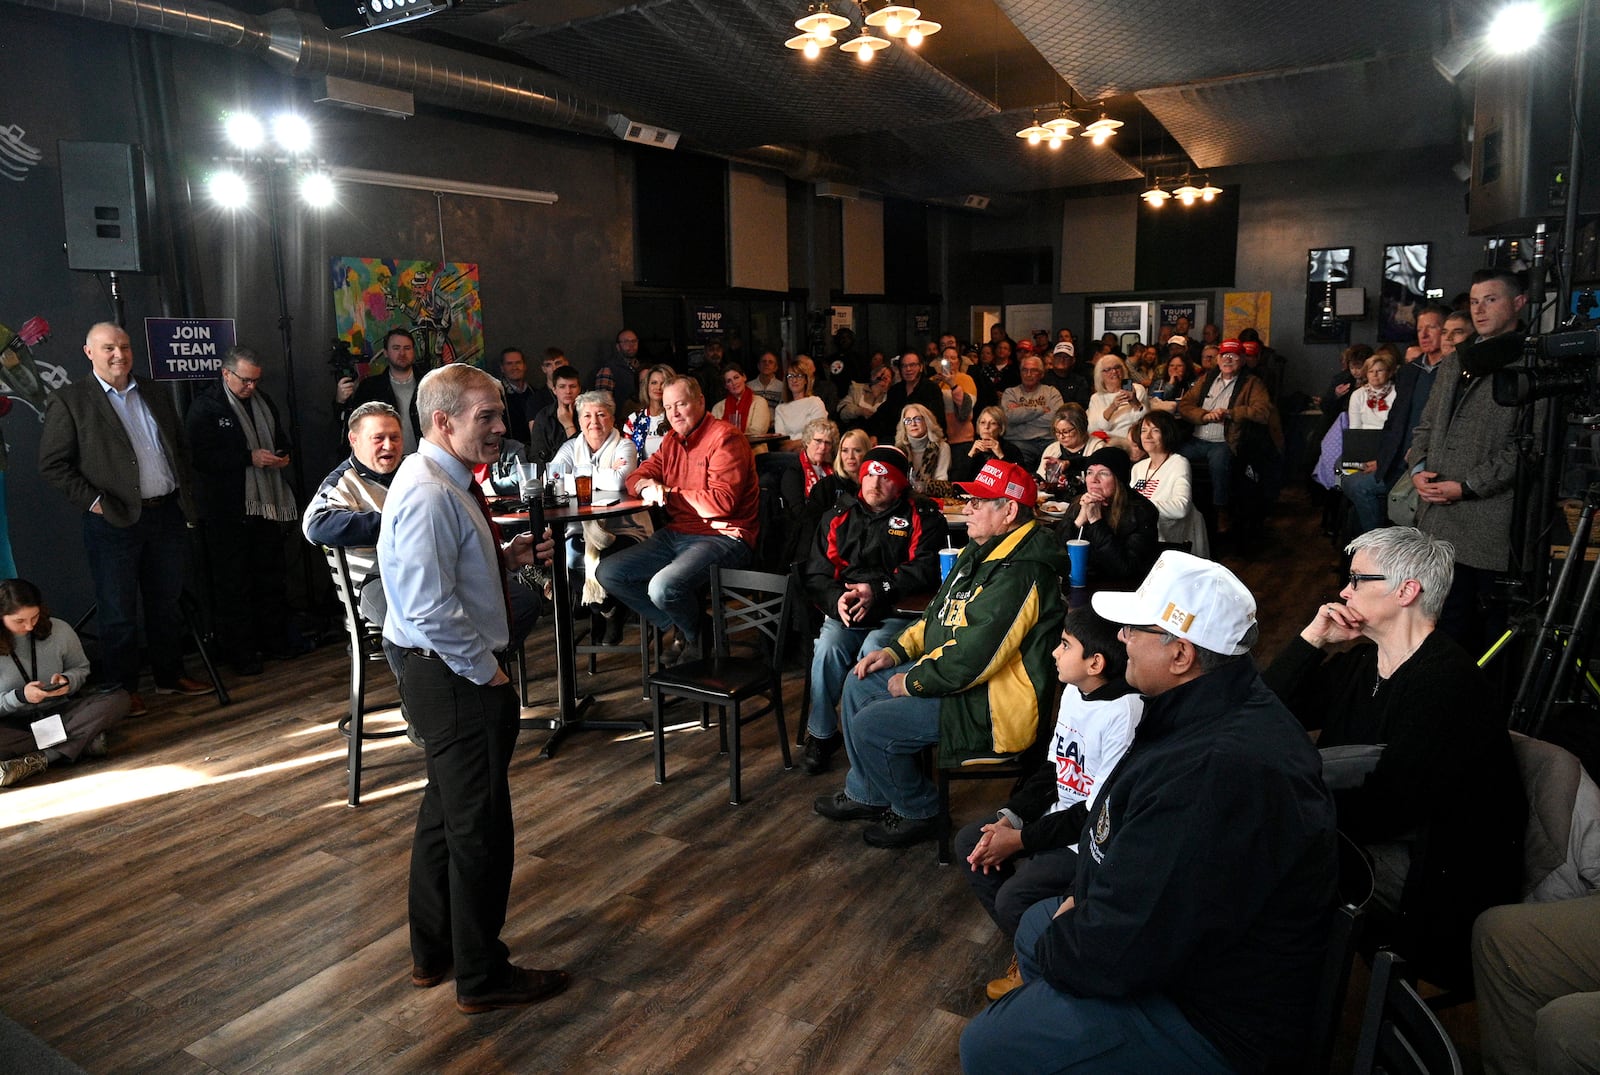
818	754
615	615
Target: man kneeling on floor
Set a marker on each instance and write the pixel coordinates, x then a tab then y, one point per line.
1029	852
971	676
1199	920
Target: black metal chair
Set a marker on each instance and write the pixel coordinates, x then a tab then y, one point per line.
366	647
743	603
1328	1014
1400	1035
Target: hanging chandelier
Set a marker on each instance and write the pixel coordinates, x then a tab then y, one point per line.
1053	132
899	21
1183	189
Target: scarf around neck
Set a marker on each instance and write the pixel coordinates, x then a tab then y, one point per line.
266	494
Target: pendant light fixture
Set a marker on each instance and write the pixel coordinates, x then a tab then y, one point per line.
893	18
1183	188
1059	128
1102	129
864	45
820	23
1033	132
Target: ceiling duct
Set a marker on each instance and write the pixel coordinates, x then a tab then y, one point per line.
299	45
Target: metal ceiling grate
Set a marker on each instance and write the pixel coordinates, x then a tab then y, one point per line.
1105	47
1389	105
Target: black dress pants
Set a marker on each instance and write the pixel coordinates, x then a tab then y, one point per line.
461	855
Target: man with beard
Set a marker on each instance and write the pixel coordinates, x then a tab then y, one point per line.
397	386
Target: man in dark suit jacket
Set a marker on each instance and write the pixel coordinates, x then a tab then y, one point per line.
241	450
114	448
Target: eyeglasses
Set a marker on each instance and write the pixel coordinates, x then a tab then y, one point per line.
1356	579
241	380
914	419
1141	629
796	377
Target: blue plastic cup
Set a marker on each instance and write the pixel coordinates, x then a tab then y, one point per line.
1078	552
947	562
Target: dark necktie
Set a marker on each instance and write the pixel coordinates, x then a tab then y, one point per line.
494	534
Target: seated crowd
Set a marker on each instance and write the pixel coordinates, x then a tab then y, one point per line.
1167	872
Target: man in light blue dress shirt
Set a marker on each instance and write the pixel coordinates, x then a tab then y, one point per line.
443	575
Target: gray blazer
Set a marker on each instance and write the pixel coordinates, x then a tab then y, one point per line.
85	452
1469	440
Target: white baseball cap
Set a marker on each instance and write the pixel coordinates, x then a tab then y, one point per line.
1189	597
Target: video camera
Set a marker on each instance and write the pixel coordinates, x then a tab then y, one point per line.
342	360
1555	364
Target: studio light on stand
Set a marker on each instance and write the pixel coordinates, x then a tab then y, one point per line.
1516	28
257	160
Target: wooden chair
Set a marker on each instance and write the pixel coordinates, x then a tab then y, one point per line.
755	603
366	647
1400	1033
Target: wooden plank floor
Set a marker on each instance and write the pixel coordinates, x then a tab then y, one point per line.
204	901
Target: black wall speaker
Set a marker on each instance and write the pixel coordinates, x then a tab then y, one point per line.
106	207
1521	121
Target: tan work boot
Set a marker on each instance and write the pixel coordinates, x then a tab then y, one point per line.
16	770
1001	986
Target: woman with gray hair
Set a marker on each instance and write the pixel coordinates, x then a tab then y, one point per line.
1441	813
607	457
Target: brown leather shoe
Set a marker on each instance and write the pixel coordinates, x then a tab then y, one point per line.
526	986
428	977
184	685
999	987
136	706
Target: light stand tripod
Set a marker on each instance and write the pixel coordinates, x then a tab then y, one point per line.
1559	647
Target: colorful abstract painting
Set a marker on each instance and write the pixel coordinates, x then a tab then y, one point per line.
437	303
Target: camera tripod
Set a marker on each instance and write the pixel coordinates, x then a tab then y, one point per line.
1559	646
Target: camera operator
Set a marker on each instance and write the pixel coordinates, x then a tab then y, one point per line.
1463	459
397	388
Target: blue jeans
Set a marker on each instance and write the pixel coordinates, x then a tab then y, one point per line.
838	647
1369	499
1219	460
126	562
883	736
664	578
1040	1028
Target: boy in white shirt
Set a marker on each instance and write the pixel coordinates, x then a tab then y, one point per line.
1030	851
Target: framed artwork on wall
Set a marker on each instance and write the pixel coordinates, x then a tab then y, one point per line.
1404	291
1247	309
1327	270
437	303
